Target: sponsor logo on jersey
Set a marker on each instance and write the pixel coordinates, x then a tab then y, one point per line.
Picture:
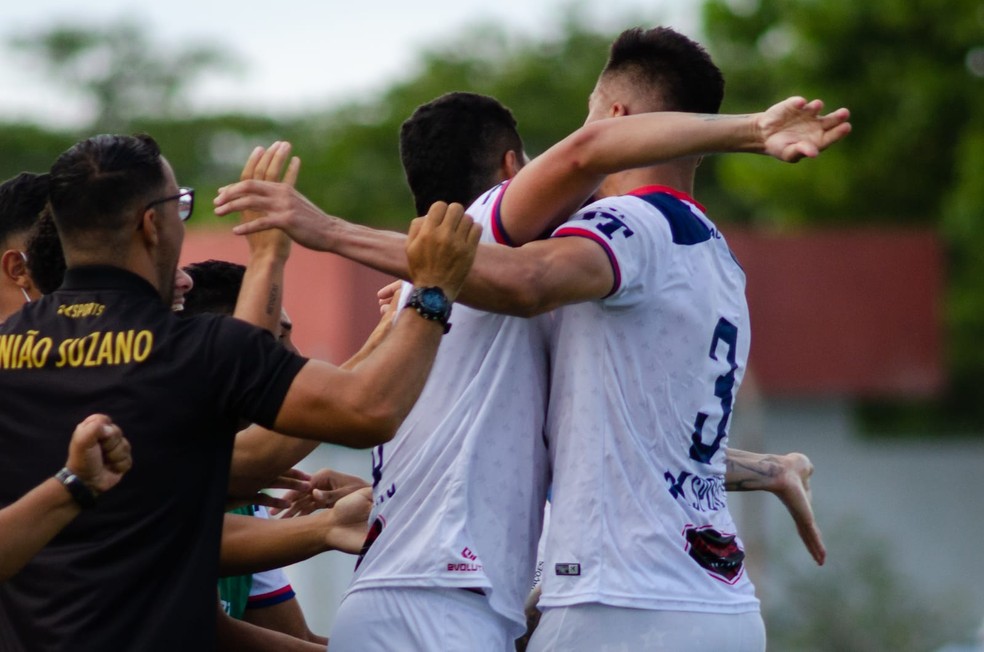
703	494
568	569
470	565
717	553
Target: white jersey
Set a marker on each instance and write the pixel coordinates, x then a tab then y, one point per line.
642	387
459	492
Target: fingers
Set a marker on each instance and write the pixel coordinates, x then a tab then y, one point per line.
90	430
266	161
115	449
257	225
275	165
250	167
293	170
293	484
270	502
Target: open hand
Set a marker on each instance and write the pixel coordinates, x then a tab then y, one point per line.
794	129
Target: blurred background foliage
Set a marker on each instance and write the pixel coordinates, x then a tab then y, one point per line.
912	72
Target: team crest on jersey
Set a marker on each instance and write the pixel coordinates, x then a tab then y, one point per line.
718	554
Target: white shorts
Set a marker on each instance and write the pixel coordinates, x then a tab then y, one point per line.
419	619
601	628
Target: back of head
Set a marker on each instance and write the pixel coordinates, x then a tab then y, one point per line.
452	148
21	200
45	258
216	288
100	184
665	70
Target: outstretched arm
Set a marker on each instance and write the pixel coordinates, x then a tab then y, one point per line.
786	476
250	545
554	185
98	455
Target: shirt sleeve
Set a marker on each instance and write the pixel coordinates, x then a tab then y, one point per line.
623	236
256	370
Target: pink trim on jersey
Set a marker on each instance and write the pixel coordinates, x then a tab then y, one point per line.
271	598
682	196
498	230
568	231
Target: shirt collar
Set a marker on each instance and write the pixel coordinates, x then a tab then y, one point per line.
105	277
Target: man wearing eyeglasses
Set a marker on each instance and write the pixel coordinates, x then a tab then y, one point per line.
136	570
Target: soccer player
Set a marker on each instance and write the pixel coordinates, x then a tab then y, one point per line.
143	561
495	377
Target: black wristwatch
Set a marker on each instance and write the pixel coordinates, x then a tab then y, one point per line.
83	495
431	303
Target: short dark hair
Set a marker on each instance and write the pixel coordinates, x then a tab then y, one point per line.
97	182
673	72
45	258
452	147
21	200
216	288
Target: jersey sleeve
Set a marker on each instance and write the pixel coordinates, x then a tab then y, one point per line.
256	369
629	242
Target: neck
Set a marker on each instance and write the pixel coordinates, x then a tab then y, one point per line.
678	175
135	261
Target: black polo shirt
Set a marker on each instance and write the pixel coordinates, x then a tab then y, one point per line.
138	571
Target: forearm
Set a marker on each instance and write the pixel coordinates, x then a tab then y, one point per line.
261	294
554	185
36	518
260	456
239	636
252	545
747	471
364	406
384	251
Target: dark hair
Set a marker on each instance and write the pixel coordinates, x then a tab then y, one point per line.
452	147
45	258
216	288
21	200
97	183
672	72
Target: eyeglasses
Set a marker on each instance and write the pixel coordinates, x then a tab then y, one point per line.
186	202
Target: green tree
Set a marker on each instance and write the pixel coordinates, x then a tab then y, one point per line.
912	72
120	69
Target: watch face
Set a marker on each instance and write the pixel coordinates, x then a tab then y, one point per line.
433	299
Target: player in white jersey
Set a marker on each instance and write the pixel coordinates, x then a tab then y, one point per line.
425	522
648	352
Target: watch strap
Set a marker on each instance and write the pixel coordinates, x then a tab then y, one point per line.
81	493
417	304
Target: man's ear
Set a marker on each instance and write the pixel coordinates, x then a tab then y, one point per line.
15	268
510	166
617	110
148	227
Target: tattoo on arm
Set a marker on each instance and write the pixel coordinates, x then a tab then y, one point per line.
272	299
751	476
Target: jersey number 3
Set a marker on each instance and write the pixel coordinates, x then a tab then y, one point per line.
724	387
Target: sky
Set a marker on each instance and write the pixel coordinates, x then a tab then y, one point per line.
300	55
